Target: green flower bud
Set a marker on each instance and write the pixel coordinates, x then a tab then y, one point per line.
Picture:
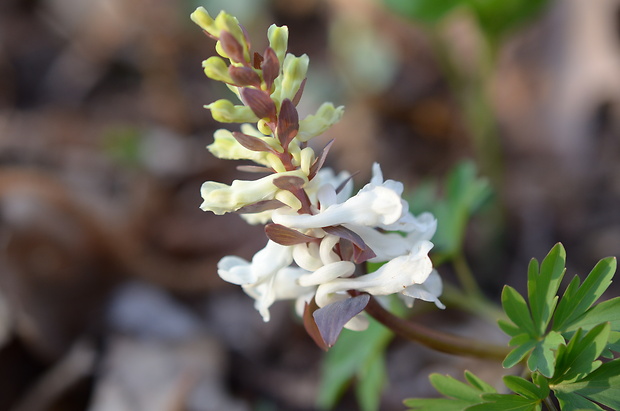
202	18
278	40
226	112
293	74
216	69
313	125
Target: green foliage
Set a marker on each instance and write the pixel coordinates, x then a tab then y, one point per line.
357	357
562	344
465	194
495	18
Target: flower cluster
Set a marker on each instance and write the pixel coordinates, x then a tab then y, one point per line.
320	232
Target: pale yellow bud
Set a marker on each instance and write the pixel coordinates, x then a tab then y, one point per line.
314	125
202	18
226	112
216	69
293	74
278	40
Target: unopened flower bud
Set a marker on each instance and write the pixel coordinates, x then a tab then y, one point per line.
314	125
293	74
226	112
202	18
278	40
215	68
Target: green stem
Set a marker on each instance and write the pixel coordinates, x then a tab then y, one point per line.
549	404
437	340
466	276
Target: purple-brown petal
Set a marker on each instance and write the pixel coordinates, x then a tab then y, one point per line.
310	325
361	251
331	319
288	122
320	160
270	66
259	101
260	206
257	61
251	142
300	91
286	236
244	76
232	47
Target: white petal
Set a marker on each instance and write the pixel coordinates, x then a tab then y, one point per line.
373	207
429	291
326	249
235	270
328	273
392	277
307	256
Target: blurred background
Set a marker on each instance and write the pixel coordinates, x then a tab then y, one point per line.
109	296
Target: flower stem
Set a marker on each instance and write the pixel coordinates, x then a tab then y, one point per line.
437	340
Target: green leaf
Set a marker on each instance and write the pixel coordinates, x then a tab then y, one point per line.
465	194
577	300
506	402
574	402
478	383
461	395
509	328
353	357
607	311
542	287
498	18
516	309
542	358
601	386
370	382
524	346
578	358
427	11
526	388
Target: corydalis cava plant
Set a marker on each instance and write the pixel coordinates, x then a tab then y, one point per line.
320	232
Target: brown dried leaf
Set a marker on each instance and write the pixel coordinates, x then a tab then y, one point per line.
288	122
259	101
286	236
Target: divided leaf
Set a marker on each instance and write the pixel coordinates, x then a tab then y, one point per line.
543	286
601	386
577	300
460	395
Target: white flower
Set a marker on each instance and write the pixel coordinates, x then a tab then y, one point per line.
393	277
267	278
